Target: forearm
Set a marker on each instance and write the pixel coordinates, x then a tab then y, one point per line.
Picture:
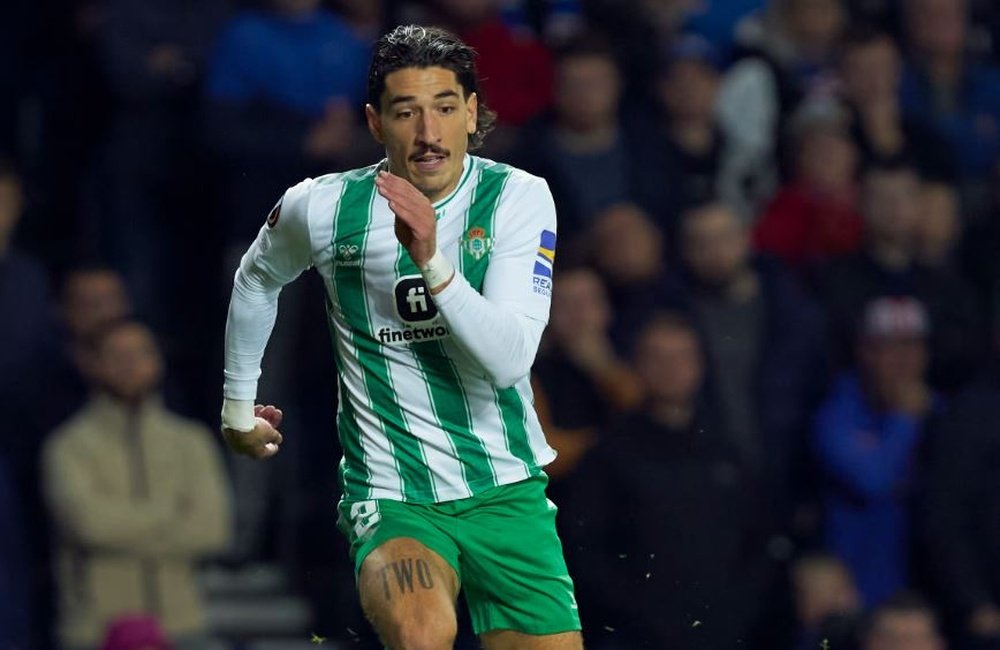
252	312
501	340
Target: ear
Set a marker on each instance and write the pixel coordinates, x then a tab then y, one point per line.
374	123
471	113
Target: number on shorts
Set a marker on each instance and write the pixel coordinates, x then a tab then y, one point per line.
365	516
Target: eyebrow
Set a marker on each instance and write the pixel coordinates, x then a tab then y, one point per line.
403	99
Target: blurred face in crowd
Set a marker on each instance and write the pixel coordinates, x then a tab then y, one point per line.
893	360
815	24
891	206
297	7
937	28
587	89
939	225
425	121
11	206
579	304
128	362
827	160
91	300
870	71
627	245
669	363
688	90
715	245
904	630
823	588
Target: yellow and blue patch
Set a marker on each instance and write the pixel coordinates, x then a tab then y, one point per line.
544	261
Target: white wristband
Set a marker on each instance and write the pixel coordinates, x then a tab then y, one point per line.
237	414
437	270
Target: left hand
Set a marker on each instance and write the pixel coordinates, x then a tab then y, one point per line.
416	226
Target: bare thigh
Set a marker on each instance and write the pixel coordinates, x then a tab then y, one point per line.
511	640
408	593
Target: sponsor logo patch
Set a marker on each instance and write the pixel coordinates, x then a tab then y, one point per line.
544	260
347	255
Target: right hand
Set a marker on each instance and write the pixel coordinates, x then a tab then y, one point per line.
264	440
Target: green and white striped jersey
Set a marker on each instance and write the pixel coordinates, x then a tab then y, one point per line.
435	400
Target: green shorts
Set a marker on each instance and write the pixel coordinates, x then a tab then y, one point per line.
502	543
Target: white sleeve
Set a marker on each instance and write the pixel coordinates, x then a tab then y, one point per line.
502	327
280	253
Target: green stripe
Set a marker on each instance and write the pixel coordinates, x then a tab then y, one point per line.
354	214
482	214
515	427
354	473
449	401
461	183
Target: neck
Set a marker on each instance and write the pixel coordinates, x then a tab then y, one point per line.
945	69
675	415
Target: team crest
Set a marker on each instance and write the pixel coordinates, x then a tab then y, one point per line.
476	243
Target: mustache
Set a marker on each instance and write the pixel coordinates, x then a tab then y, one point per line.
430	149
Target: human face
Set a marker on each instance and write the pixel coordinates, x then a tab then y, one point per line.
891	206
894	360
715	245
827	161
579	305
625	227
937	27
425	123
688	90
669	364
904	631
816	23
129	363
92	300
587	89
871	72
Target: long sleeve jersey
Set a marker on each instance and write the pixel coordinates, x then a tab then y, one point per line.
435	399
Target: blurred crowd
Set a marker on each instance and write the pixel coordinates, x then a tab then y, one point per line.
771	370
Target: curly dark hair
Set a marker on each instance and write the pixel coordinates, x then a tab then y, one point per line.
414	46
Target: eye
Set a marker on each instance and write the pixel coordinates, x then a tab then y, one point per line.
404	114
447	109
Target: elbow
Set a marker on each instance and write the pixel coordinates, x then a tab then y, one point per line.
510	373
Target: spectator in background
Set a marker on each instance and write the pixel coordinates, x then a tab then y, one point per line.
627	249
671	521
887	264
578	378
155	52
15	604
940	226
285	89
946	88
815	217
138	495
582	149
870	72
789	53
866	441
681	143
827	604
764	341
904	622
961	513
516	69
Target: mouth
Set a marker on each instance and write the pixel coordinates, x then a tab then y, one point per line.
430	161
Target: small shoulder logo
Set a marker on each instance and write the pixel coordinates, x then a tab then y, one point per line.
347	255
274	214
476	242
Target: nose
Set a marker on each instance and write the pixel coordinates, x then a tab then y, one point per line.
428	128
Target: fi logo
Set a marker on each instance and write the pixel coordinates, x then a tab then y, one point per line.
413	300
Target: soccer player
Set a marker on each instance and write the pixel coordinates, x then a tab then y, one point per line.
438	269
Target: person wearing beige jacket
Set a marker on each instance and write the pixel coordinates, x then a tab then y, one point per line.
137	495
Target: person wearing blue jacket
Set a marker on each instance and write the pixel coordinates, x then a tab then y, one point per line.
867	437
